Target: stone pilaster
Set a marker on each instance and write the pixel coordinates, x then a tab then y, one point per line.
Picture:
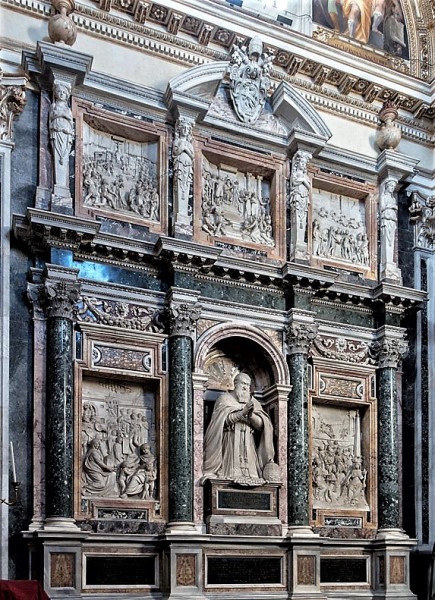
390	347
61	297
182	328
301	332
57	69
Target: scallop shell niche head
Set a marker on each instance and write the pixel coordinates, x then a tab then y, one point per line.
61	28
388	135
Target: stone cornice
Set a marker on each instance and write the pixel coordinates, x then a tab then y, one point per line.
171	36
43	229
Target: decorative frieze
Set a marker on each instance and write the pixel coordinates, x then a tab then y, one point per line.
12	102
346	350
119	314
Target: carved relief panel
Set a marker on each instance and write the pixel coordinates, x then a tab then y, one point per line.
120	463
343	447
342	231
119	168
239	199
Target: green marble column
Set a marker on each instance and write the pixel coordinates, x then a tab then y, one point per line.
299	339
61	297
182	327
391	352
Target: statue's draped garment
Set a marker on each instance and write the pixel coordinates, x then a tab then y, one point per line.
231	450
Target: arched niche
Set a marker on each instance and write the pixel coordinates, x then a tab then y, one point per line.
221	352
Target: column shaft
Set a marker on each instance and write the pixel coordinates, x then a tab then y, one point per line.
180	430
59	419
388	462
297	465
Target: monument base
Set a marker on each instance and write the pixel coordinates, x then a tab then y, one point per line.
232	509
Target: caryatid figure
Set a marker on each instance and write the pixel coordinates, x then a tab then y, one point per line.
299	199
61	128
388	219
183	154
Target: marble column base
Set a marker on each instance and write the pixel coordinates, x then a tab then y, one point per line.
391	534
183	527
60	524
301	531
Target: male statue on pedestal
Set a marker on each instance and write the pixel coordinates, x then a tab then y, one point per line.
238	442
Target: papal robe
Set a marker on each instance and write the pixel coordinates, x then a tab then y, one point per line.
231	450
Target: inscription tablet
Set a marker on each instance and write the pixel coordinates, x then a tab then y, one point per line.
343	570
120	570
244	570
244	500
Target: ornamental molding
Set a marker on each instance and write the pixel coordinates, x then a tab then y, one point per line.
169	43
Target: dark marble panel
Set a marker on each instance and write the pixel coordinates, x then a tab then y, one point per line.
23	185
24	158
180	430
388	463
297	467
107	273
341	314
59	423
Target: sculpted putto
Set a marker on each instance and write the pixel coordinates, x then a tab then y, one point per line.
239	439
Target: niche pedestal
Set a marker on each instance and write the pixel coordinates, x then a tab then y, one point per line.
232	509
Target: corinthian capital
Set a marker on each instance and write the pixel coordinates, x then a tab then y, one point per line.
183	318
12	101
300	337
61	298
390	352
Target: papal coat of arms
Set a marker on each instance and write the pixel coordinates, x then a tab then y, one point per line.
249	81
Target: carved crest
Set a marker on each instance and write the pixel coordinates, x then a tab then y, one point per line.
249	82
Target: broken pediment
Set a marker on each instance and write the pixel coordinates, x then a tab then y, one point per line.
205	92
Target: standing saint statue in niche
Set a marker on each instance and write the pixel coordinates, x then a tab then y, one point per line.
238	443
61	127
183	154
